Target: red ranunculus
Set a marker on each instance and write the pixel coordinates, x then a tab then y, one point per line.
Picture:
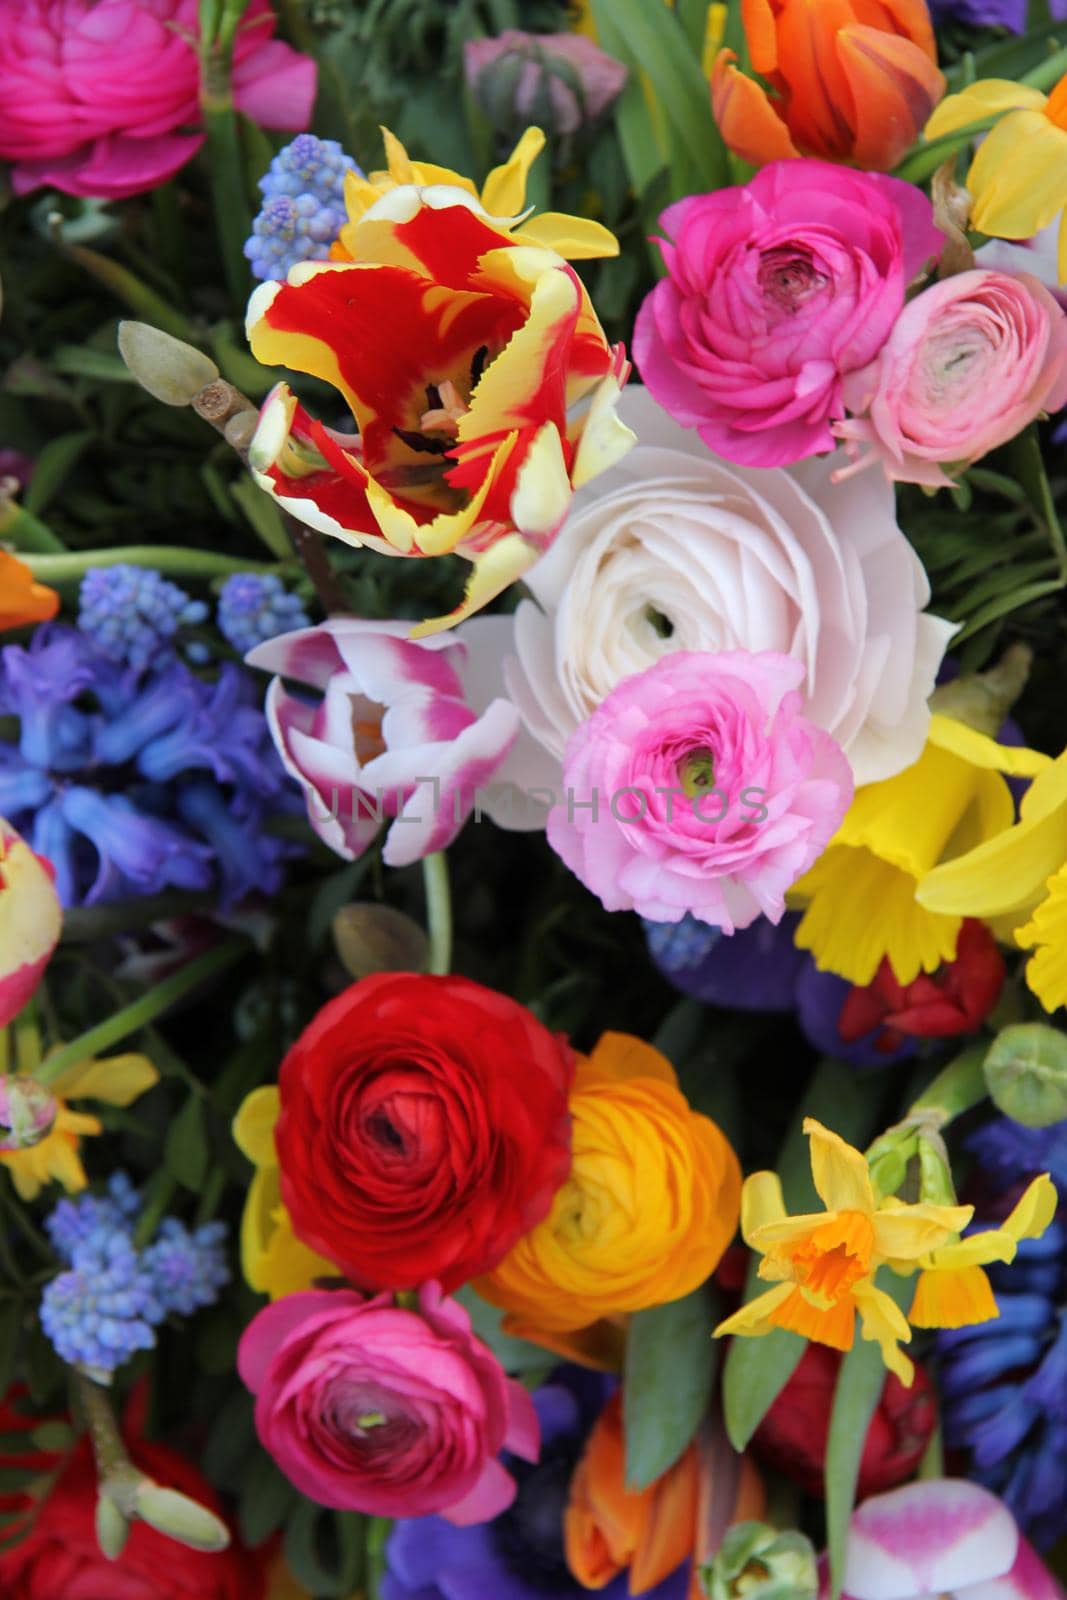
955	999
423	1129
792	1436
60	1559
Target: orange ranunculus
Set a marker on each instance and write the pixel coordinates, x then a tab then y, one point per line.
852	80
681	1516
21	599
480	382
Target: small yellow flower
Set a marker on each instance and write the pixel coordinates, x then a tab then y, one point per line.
1018	178
274	1260
1019	875
953	1289
823	1265
116	1081
894	833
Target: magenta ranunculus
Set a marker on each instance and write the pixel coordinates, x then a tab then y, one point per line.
366	1406
699	785
774	292
97	97
971	361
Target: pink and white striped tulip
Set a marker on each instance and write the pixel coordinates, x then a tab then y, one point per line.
394	735
30	921
945	1539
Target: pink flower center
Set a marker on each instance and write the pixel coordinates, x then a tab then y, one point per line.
788	278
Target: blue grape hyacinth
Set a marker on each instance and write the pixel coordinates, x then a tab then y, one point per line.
134	781
134	614
255	608
303	207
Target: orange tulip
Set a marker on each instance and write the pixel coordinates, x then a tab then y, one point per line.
852	80
681	1516
21	599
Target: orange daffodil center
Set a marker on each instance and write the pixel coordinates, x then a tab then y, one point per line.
462	342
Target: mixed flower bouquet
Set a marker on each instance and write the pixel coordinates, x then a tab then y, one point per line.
537	1067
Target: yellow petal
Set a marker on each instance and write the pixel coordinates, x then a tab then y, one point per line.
845	938
573	238
979	750
841	1176
1034	1211
884	1323
504	190
1007	871
906	1232
1019	176
604	438
618	1056
1046	934
116	1080
986	98
494	571
542	494
952	1298
762	1204
253	1126
754	1317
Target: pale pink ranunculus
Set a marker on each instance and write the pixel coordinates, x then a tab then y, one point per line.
563	78
391	735
775	291
943	1539
98	97
972	360
369	1407
699	786
31	920
674	549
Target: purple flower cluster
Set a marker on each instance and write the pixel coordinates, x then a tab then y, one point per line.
303	207
134	780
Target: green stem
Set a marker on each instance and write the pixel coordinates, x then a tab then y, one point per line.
26	532
139	1012
82	924
1048	74
161	1192
438	911
233	216
932	1464
129	288
71	567
957	1088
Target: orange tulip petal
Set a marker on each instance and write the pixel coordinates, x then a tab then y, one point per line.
746	119
22	600
894	88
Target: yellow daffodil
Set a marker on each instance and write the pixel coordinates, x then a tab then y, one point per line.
953	1288
502	197
861	894
1018	178
823	1265
275	1261
116	1081
1019	875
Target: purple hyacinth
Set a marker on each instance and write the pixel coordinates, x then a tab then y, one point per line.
105	1308
187	1270
303	207
1009	14
73	1222
255	608
131	782
134	614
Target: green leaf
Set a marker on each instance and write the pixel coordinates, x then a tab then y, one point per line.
10	1328
185	1150
264	516
310	1528
54	463
859	1386
267	1498
667	1383
515	1355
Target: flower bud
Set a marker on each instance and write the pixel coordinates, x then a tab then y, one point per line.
112	1528
1026	1071
180	1518
169	369
757	1562
373	938
560	81
27	1112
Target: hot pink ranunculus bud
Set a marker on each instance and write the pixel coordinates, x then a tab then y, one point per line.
100	98
562	80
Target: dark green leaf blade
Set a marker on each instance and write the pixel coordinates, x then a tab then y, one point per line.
667	1383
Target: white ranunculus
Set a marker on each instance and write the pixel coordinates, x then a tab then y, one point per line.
674	549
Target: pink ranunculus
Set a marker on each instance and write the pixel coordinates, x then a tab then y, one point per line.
31	920
943	1539
698	786
971	361
369	1407
393	736
774	292
516	77
98	97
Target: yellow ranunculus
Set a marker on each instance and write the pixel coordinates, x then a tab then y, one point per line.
862	895
1019	875
275	1261
648	1209
823	1265
116	1081
1018	178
